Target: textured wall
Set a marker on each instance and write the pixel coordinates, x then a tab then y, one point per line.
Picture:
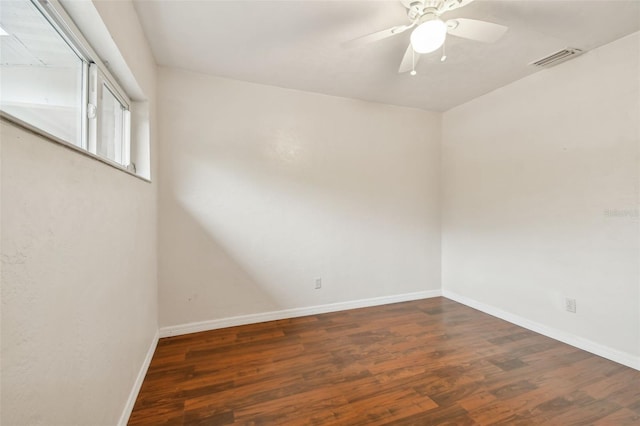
79	288
264	189
541	197
78	283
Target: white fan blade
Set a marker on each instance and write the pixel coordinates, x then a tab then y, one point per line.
409	61
486	32
369	38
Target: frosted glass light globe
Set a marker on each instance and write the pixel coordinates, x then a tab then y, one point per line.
429	36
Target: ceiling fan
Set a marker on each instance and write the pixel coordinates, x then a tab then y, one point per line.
431	31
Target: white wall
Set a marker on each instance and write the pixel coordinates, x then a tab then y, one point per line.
264	189
79	292
540	189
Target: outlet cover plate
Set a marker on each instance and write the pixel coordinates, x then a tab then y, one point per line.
570	305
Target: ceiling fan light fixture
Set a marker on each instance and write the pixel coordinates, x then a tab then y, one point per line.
429	36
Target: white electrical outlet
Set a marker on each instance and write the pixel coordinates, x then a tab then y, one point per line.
570	305
318	283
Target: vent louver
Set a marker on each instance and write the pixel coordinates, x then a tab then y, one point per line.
557	57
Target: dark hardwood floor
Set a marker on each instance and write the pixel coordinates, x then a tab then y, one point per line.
428	362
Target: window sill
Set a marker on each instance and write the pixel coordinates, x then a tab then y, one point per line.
25	126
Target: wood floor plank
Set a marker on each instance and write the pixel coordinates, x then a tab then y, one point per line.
427	362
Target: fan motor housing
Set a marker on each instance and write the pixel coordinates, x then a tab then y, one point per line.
417	8
422	3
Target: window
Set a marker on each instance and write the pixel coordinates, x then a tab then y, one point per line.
111	143
53	82
109	126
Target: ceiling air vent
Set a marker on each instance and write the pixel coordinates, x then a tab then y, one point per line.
557	57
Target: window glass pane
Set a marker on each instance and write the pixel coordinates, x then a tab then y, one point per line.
40	75
110	140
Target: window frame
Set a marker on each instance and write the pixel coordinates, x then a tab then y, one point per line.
99	81
96	76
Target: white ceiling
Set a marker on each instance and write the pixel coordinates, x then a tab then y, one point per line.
297	44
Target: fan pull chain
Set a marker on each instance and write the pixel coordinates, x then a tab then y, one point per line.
413	62
444	51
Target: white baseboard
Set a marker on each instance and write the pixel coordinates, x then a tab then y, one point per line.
195	327
568	338
133	395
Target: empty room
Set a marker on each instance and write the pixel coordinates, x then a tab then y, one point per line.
320	212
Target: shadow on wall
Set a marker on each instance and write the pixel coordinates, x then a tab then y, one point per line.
319	187
207	280
241	242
